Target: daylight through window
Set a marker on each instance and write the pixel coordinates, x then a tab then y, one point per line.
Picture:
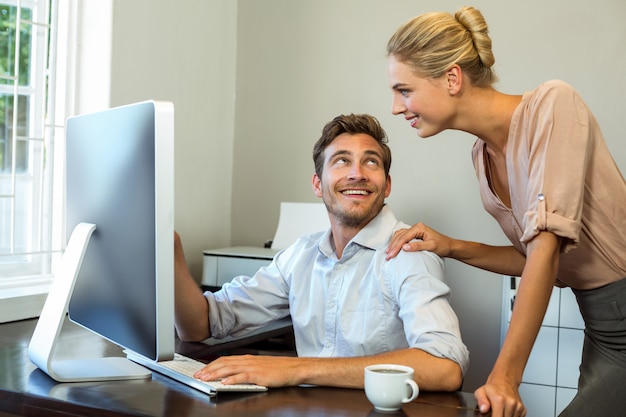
27	207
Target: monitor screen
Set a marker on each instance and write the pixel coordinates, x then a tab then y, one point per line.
120	177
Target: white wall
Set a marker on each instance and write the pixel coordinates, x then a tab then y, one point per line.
300	63
185	53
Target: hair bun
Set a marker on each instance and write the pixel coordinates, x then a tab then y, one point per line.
473	20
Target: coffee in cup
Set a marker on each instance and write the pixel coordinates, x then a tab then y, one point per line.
388	386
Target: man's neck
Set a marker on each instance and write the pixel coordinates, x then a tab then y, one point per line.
340	236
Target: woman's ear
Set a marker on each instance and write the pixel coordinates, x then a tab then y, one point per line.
454	79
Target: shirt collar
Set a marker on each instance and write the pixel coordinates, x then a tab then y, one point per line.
375	235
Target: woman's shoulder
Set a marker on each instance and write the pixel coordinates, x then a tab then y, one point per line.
555	84
554	96
552	88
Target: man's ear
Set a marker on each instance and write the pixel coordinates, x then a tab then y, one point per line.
317	185
454	79
388	186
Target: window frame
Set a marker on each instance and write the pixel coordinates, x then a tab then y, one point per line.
24	284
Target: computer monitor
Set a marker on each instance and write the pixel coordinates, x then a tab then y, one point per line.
117	274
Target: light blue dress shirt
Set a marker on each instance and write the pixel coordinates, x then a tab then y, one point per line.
358	305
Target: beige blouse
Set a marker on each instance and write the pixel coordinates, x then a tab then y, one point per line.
562	179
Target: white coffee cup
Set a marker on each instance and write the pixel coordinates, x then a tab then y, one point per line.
388	386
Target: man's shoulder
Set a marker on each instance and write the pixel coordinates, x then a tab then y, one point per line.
421	256
423	263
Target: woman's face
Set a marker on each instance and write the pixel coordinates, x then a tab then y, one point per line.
424	102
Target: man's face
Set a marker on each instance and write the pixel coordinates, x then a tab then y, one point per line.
353	184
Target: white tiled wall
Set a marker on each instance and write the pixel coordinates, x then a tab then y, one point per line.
551	375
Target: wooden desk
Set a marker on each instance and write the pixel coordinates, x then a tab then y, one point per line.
26	390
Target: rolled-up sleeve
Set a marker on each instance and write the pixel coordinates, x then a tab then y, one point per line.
430	323
554	144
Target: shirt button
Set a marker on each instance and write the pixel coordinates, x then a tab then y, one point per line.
541	197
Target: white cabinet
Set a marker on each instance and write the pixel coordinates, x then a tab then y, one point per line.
221	265
542	363
551	375
563	397
539	399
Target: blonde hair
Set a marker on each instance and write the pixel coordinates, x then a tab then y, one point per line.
431	43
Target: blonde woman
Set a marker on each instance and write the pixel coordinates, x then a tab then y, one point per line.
547	177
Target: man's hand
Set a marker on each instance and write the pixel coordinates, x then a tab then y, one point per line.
269	371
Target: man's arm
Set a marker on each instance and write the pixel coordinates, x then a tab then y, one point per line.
191	309
431	373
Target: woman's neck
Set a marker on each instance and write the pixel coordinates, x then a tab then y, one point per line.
487	113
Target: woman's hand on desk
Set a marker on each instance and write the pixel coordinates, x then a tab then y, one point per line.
269	371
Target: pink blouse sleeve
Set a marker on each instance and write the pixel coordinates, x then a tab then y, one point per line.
550	159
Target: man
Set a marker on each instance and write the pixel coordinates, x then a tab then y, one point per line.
349	306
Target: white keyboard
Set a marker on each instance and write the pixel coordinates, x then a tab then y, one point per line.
182	368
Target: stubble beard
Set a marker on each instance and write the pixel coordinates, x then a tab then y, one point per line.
356	215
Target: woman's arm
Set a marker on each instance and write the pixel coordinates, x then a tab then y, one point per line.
500	393
505	260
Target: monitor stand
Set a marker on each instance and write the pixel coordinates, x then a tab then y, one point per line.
44	339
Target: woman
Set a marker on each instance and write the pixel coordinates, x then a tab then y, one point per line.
547	177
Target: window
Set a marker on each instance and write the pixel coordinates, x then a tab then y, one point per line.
30	208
